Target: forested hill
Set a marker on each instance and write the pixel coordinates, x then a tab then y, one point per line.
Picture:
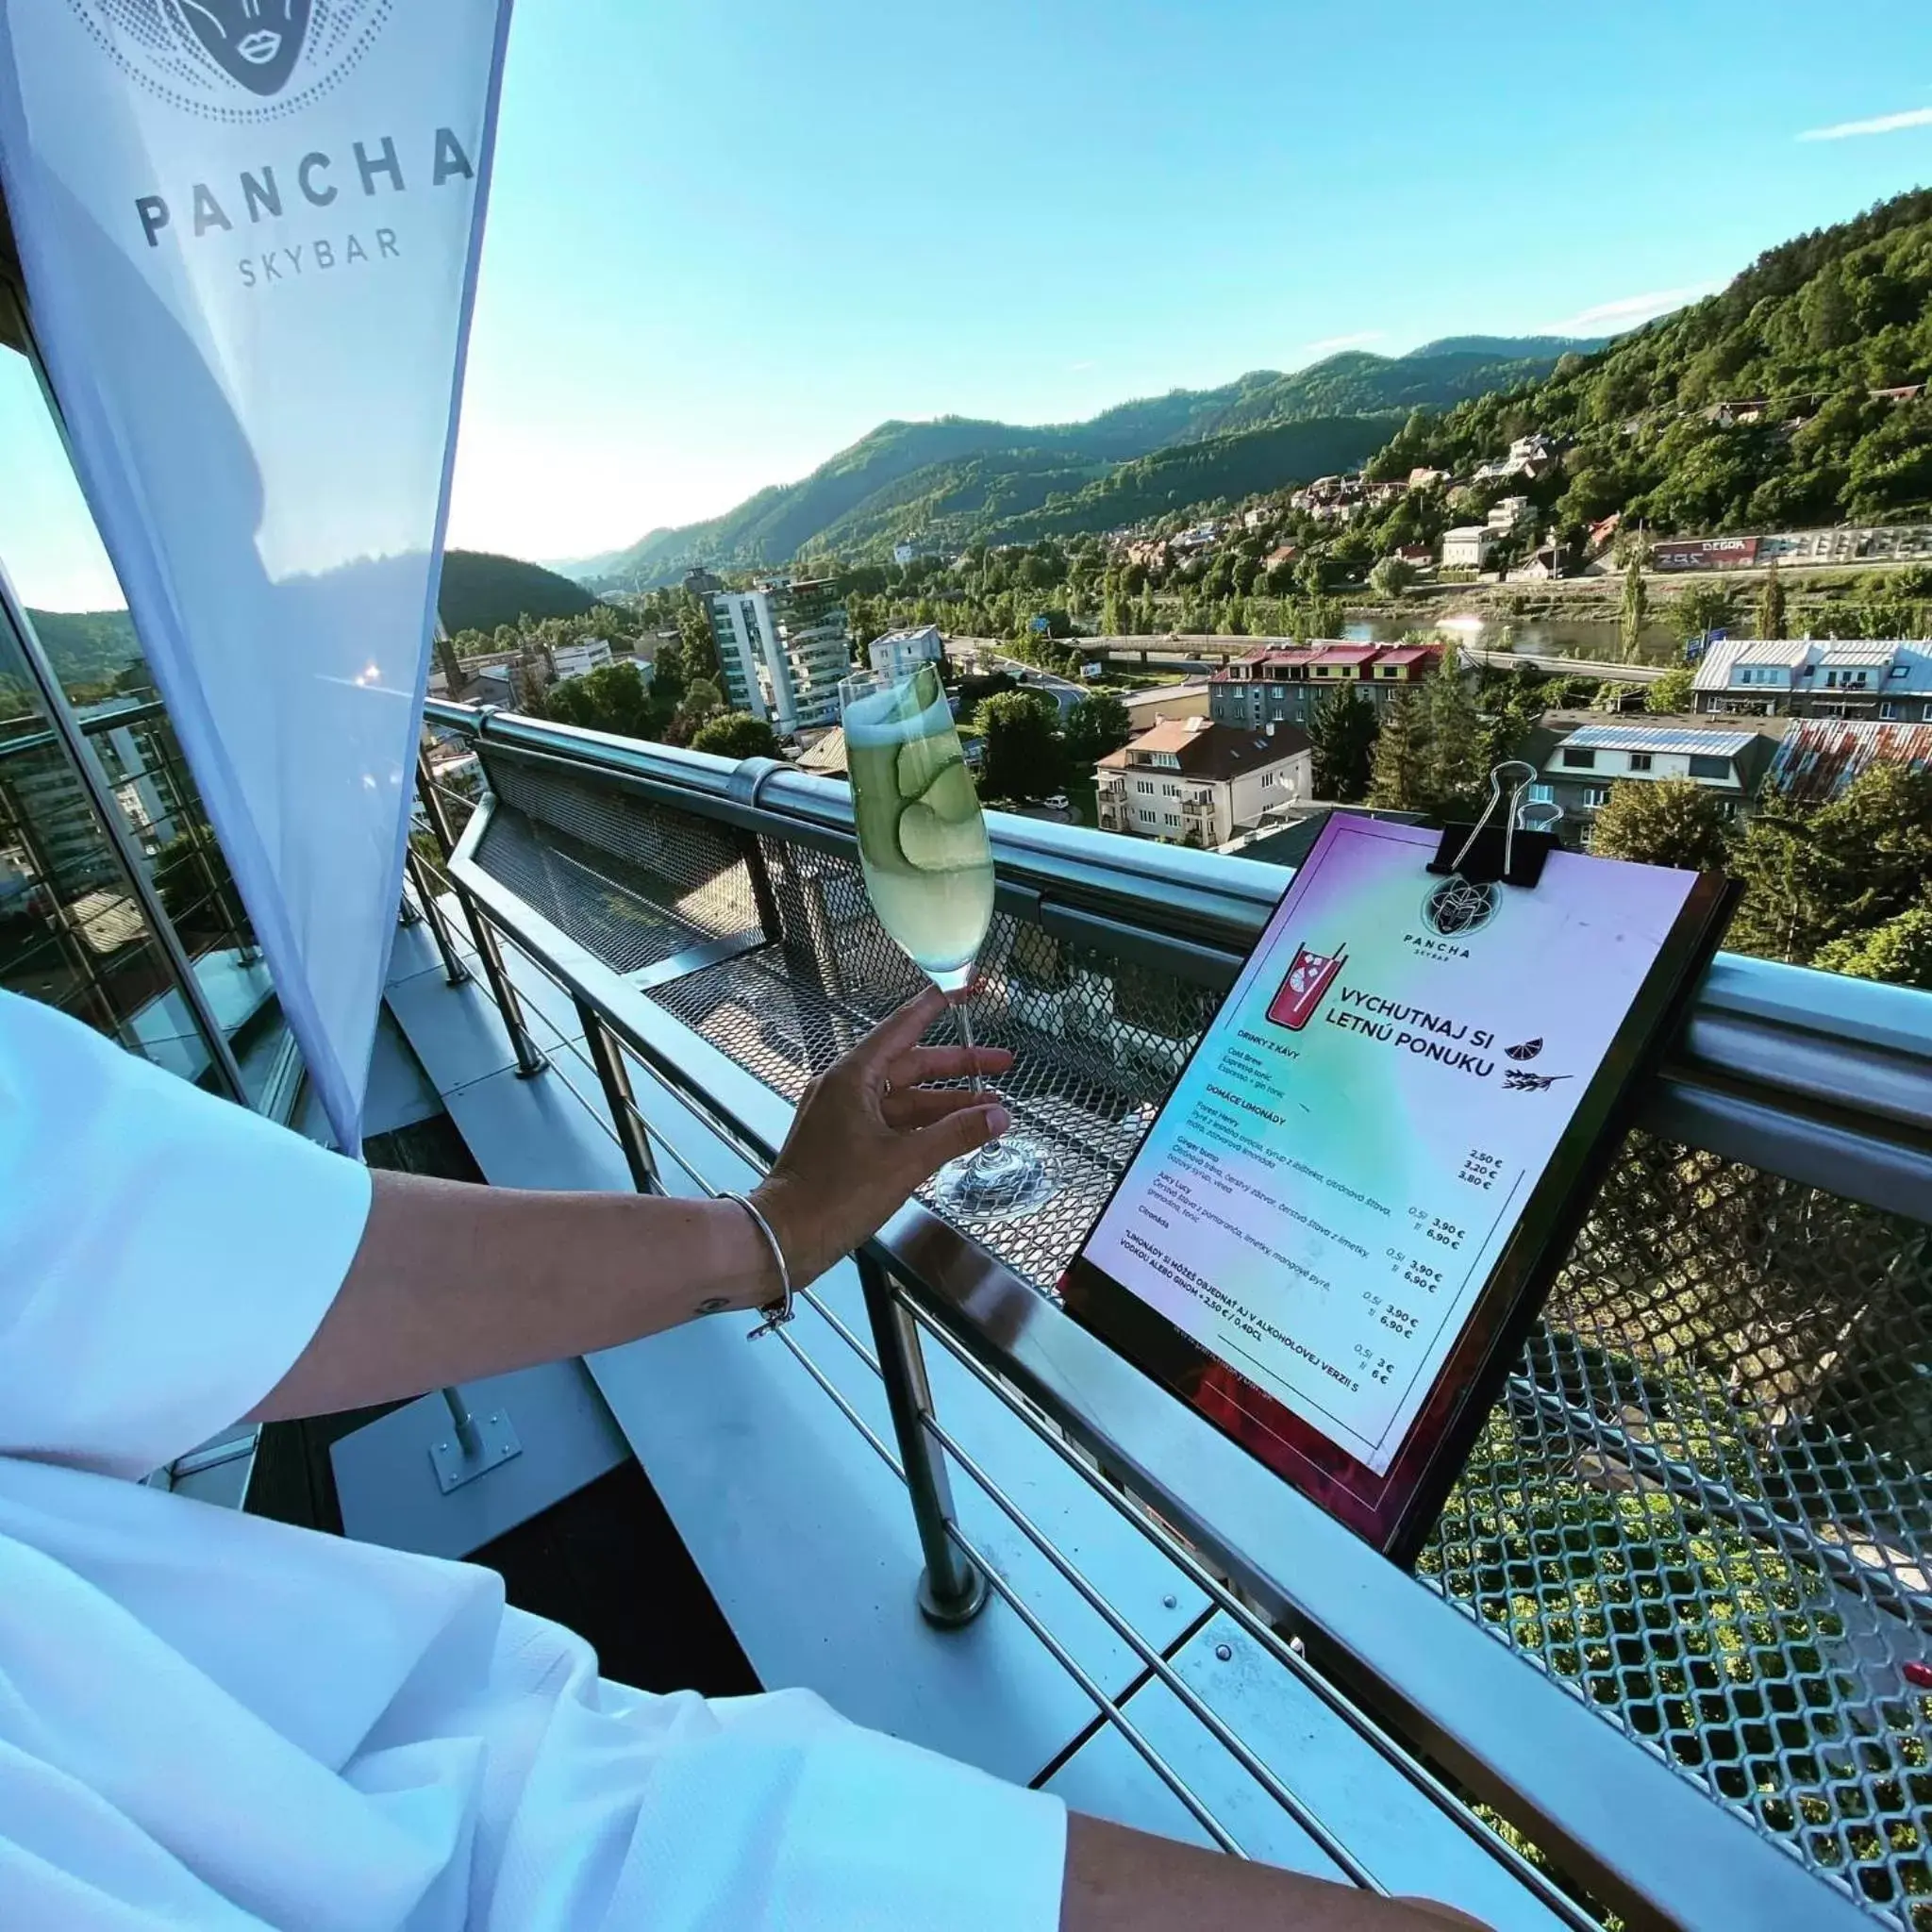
1810	332
957	477
1201	473
90	648
481	589
86	647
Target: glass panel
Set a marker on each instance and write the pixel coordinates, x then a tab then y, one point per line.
71	929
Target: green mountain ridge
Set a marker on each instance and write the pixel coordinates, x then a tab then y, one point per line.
481	591
972	478
1810	331
86	646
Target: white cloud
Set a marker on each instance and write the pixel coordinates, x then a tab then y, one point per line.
1883	123
1608	318
1329	344
1079	368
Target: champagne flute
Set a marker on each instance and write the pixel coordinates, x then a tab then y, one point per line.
928	870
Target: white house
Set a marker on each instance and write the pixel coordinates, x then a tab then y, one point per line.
587	654
900	651
1194	782
1468	547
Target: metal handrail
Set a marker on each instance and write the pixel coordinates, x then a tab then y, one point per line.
141	712
1619	1820
1824	1080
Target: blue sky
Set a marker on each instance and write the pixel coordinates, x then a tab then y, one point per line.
726	242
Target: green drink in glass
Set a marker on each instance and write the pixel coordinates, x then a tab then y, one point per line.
928	872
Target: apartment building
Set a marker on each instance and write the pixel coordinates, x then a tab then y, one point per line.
1577	763
1285	687
585	655
1194	782
782	648
901	651
1882	681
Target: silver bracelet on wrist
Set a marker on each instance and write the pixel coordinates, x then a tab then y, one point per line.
776	1312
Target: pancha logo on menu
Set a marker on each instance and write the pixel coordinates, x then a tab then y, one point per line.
234	60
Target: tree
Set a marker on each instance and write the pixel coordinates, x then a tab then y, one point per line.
613	697
1635	614
736	735
702	697
1392	575
1819	873
1097	725
1770	606
1703	608
1670	693
1343	733
1399	779
1828	311
1900	951
1025	758
1671	822
1457	774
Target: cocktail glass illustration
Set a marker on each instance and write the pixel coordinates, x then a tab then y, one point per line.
1310	976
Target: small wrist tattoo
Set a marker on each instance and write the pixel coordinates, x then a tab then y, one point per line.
715	1304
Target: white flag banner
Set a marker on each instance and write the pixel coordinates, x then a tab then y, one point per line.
250	230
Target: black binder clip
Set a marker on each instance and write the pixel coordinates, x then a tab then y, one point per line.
1512	853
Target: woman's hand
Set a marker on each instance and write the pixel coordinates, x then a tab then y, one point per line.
869	1130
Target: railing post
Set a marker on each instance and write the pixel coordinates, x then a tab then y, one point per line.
530	1060
952	1590
613	1075
453	967
467	1436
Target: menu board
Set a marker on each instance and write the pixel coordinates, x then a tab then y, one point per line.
1345	1215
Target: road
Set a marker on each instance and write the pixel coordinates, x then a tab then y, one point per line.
1062	690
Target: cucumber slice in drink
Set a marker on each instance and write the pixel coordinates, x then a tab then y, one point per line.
942	831
951	795
922	760
930	843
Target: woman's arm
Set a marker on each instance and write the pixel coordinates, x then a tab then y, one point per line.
452	1282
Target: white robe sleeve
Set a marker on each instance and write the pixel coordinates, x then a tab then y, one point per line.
164	1256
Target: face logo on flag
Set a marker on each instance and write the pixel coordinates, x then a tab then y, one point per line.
254	42
233	58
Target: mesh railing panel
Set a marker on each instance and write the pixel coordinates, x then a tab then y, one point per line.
632	882
1096	1045
1703	1505
1706	1504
